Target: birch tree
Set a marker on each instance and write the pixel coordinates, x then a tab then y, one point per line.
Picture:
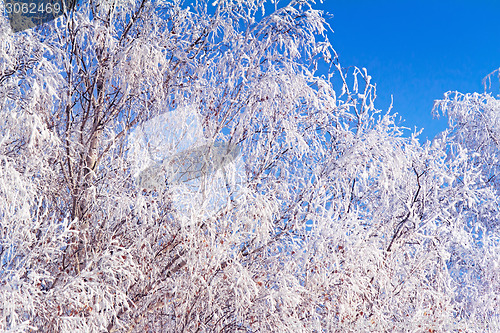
171	167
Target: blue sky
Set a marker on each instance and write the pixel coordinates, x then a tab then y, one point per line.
418	50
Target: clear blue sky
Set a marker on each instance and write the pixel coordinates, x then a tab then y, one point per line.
418	50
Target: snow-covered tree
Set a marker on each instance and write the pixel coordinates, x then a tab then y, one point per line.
170	167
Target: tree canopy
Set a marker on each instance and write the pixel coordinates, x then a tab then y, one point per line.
307	209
